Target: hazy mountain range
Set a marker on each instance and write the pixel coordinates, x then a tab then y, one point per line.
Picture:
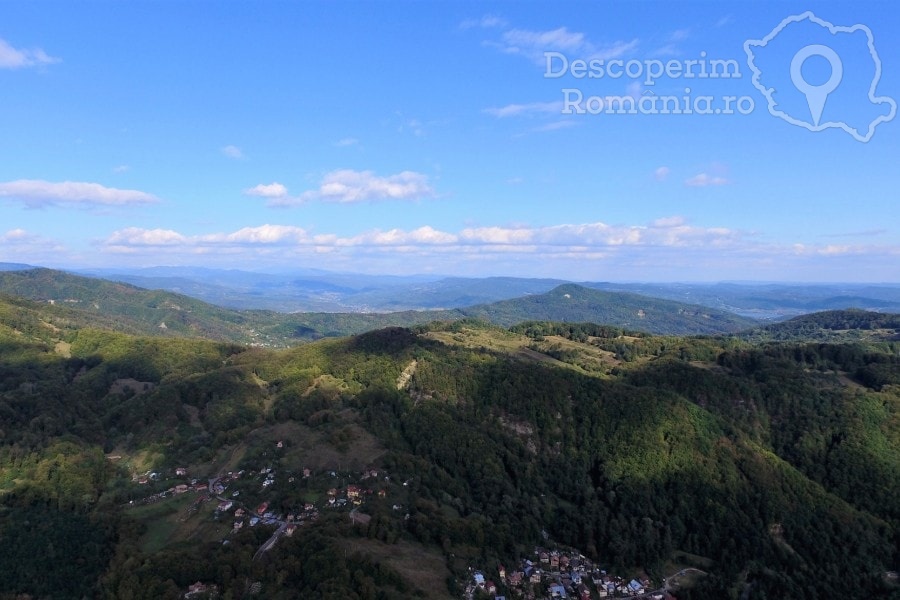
313	290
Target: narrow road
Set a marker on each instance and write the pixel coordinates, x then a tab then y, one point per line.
270	543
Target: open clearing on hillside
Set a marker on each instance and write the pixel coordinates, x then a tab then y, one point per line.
344	445
585	357
422	568
169	521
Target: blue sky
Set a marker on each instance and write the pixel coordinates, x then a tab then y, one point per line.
403	138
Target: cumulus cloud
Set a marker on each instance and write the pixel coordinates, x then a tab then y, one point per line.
665	247
232	152
13	58
705	180
669	231
270	190
355	186
15	236
347	186
135	236
661	173
264	234
36	193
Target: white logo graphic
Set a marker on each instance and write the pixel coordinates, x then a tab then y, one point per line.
845	100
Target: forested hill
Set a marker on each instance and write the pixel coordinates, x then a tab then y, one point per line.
832	325
155	312
771	469
574	303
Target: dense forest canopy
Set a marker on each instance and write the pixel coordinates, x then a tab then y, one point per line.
774	467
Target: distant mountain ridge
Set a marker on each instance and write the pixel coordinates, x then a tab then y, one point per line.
314	290
575	303
156	312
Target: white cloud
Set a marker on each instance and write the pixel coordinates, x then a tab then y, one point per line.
522	40
264	234
345	142
555	126
528	109
667	231
36	193
485	22
271	190
121	169
706	180
15	236
12	58
346	186
726	20
664	248
661	173
533	44
135	236
662	222
232	152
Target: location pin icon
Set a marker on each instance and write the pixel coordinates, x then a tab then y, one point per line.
816	95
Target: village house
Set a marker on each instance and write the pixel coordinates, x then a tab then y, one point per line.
198	588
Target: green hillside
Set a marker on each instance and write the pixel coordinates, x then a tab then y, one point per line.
833	325
153	312
773	469
574	303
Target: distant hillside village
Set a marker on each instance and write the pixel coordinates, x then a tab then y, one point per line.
558	575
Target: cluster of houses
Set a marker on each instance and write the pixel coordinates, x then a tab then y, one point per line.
559	574
372	482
